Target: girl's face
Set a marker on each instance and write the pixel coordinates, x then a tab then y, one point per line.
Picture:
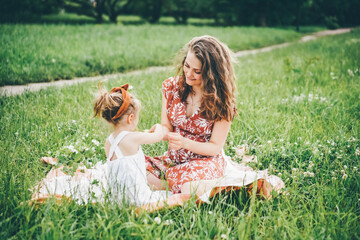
192	70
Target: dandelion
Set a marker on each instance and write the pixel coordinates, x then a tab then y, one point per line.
332	173
157	220
355	169
345	167
344	176
342	172
97	143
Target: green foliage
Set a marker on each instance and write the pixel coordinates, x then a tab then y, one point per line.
38	53
298	113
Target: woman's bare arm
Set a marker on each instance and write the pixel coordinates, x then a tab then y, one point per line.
211	148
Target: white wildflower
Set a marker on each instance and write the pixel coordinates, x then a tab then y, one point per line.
269	142
344	176
307	143
333	178
355	168
332	173
280	174
157	220
97	143
72	149
331	74
281	140
210	212
342	172
345	167
333	144
130	87
223	236
311	174
240	151
168	222
73	121
53	60
350	72
357	152
17	134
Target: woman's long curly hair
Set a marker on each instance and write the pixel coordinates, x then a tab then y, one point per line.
218	78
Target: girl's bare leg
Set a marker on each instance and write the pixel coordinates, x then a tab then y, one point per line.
154	182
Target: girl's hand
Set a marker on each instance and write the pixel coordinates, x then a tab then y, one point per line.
176	141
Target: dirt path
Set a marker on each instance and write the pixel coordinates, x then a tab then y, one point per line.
19	89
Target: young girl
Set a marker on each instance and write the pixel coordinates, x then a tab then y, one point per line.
123	176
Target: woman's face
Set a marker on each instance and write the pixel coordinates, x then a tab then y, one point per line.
192	70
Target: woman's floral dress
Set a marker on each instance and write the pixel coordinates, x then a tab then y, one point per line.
181	166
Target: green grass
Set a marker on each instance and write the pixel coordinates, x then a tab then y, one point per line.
298	111
42	53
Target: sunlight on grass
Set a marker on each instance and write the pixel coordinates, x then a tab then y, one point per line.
298	112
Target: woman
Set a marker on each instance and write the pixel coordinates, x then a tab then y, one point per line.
198	106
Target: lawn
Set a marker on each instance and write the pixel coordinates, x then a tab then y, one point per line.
47	52
299	113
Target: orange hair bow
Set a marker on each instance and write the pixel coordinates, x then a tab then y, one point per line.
126	100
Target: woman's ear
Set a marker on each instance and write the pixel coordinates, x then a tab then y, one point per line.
130	118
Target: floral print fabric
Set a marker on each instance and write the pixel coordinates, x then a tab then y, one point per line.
181	166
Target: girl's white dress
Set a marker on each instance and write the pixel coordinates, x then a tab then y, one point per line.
122	180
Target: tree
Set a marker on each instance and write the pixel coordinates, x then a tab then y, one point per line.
150	10
91	8
115	7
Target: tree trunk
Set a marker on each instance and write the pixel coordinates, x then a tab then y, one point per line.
298	14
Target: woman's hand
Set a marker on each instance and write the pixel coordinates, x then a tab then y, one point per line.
176	141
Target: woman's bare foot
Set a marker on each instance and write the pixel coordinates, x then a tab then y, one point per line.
49	160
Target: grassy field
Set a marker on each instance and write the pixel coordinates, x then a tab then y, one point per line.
47	52
298	112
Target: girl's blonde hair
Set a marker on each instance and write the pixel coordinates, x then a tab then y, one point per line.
218	78
106	105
